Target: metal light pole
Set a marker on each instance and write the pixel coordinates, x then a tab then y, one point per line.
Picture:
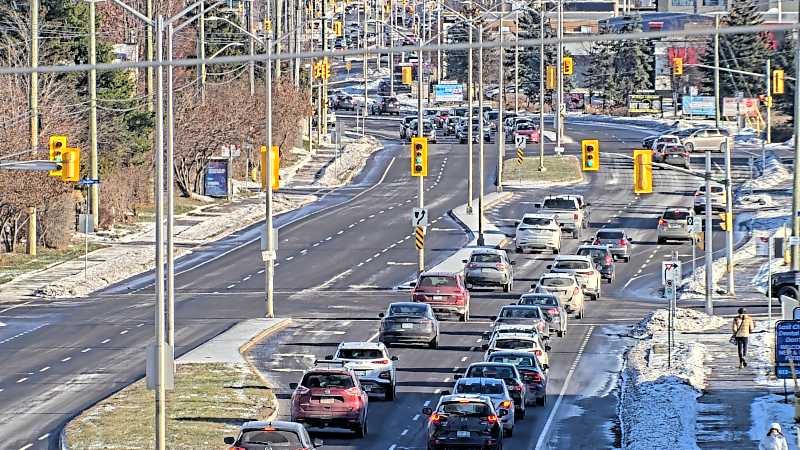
501	139
201	45
170	195
480	134
149	38
393	19
364	68
470	151
94	188
33	101
559	74
439	42
516	64
161	409
251	66
541	88
269	259
420	133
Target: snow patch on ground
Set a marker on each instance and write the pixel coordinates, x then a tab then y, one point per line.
350	161
685	320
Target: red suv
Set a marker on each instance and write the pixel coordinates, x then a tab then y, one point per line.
444	291
329	395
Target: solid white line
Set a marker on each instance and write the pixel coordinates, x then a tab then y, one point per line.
543	434
44	436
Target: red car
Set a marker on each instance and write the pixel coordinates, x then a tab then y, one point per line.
329	395
528	130
444	291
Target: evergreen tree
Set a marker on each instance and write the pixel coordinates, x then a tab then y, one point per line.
529	28
457	60
633	62
599	73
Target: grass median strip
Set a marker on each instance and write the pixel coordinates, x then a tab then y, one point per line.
14	264
559	169
209	402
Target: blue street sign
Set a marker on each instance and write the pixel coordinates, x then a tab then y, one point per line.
787	347
88	181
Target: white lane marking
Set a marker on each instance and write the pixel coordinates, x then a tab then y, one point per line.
66	359
26	447
394	446
290	258
316	244
368	260
437	391
351	225
260	271
23	333
376	255
44	369
141	324
304	251
381	212
329	238
231	286
123	332
374	336
415	418
478	341
405	432
361	220
395	263
246	278
446	380
543	434
359	264
87	349
371	216
464	358
399	242
340	232
105	341
455	368
427	403
44	436
22	380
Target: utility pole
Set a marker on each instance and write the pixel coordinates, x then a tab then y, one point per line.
480	137
559	75
470	148
279	31
796	177
709	228
269	258
516	64
364	68
324	98
149	37
34	106
93	190
439	41
768	81
393	19
501	138
201	46
420	133
541	87
161	408
170	160
251	66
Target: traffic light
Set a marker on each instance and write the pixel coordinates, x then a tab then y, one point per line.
590	155
725	221
777	81
767	99
642	171
326	69
407	76
551	77
569	65
337	28
677	66
275	156
267	25
419	156
71	164
58	144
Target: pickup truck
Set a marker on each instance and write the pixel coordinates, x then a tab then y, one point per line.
786	283
569	210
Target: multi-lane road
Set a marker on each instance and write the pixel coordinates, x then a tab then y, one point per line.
339	260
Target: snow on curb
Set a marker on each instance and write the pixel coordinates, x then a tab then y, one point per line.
350	161
657	406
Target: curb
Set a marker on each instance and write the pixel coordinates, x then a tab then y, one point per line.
503	196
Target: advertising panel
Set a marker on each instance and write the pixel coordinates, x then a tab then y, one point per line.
449	92
698	106
216	181
644	104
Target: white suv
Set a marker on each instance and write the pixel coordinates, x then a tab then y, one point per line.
718	198
538	231
372	365
583	269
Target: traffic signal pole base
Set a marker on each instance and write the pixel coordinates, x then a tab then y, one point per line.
469	210
481	242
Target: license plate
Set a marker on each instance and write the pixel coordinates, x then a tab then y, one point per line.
361	373
487	270
366	387
438	297
326	401
463	434
407	326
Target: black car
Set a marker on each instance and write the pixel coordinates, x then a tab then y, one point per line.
510	376
385	105
464	421
273	434
409	323
533	375
603	259
786	283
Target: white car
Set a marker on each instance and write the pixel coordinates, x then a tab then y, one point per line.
584	270
718	198
538	231
372	365
665	139
564	286
520	342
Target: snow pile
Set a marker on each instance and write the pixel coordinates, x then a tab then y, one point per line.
774	174
684	320
350	161
658	403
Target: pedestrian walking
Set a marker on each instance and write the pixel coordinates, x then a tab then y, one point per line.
742	327
774	440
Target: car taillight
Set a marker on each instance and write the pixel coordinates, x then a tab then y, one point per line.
500	266
418	297
505	404
237	448
380	361
552	311
575	216
575	291
586	273
385	375
353	391
685	154
662	222
536	377
472	266
596	242
609	260
537	352
436	418
459	298
696	194
302	390
515	388
623	242
491	419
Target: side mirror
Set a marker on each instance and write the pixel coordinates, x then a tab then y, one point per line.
413	284
328	357
485	347
458	376
502	413
230	440
583	286
446	392
537	205
549	266
493	318
546	366
547	348
516	223
513	263
393	358
318	442
381	315
587	204
464	261
427	411
630	240
533	285
293	386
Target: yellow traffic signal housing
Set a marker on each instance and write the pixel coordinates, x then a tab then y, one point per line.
642	171
267	25
777	81
408	77
677	66
590	155
726	221
569	65
58	144
275	157
551	78
71	164
327	68
419	157
337	28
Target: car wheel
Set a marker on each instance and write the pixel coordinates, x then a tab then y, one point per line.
661	241
434	344
507	287
510	432
518	250
627	259
361	431
560	333
541	401
556	251
689	147
520	414
575	234
391	394
789	291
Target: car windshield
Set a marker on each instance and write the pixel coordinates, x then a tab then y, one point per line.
556	282
465	408
282	439
486	258
676	215
525	126
408	310
560	203
540	221
360	353
594	253
327	380
476	387
519	361
572	265
437	281
610	235
492	115
546	300
520	313
513	344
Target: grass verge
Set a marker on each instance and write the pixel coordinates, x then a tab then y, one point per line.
182	206
15	264
210	401
559	169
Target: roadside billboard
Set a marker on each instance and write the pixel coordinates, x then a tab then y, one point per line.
449	92
748	107
216	180
698	106
644	104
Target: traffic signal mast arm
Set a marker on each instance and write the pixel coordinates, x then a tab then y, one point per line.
742	72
